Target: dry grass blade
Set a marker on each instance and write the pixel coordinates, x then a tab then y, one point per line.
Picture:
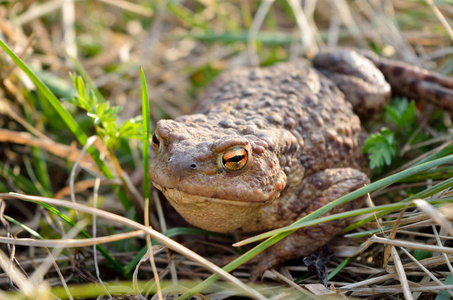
431	262
150	247
406	244
84	185
60	150
317	290
435	215
69	34
163	227
38	11
132	7
441	18
395	289
154	234
71	243
6	109
60	275
292	284
19	279
345	14
94	234
424	269
445	256
401	274
371	281
254	29
322	291
388	249
306	32
72	175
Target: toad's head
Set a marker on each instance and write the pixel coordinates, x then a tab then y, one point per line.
216	178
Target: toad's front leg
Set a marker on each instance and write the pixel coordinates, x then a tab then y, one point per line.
315	191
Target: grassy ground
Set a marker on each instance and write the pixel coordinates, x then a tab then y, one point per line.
181	46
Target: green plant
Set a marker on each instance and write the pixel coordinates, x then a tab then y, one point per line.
382	147
105	116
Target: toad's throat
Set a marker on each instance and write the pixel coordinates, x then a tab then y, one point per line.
212	214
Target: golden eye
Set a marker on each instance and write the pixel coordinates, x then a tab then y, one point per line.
235	159
156	141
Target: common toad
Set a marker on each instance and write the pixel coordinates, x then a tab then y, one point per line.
266	147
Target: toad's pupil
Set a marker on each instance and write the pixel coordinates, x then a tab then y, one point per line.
235	159
155	139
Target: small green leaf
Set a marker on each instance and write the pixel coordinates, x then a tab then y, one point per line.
408	115
381	148
400	112
422	254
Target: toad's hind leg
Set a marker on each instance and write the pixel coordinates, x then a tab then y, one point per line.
413	82
317	190
368	80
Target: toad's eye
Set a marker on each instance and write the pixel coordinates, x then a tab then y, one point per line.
156	141
235	159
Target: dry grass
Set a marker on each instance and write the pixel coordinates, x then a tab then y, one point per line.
181	47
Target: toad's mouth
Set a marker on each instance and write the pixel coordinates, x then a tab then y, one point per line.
183	198
213	214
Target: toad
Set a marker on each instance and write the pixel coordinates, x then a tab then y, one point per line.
265	147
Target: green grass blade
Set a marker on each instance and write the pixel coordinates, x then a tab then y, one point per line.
42	171
187	16
265	38
420	195
39	161
446	151
23	183
340	267
24	227
31	174
146	128
435	174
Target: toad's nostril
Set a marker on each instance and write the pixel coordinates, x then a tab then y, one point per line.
193	166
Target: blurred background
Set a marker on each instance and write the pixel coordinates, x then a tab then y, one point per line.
183	45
